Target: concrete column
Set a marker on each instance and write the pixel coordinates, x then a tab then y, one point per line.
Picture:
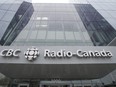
40	85
71	85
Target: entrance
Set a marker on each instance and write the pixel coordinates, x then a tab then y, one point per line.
55	84
63	84
23	85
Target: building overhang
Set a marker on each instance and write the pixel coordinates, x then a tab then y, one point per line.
65	68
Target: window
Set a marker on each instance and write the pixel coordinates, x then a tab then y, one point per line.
3	27
33	34
51	35
22	35
2	12
86	36
69	35
69	16
77	36
14	7
41	34
44	24
5	6
59	35
52	25
68	26
8	16
58	26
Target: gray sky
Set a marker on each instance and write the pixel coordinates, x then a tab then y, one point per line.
50	1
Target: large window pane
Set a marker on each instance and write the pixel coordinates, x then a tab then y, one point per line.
22	35
77	36
59	35
3	27
14	7
69	17
86	36
52	25
41	34
69	35
59	16
51	35
5	6
33	34
68	26
43	25
2	12
8	16
58	25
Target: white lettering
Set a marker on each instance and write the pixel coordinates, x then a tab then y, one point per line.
79	53
15	52
47	53
9	52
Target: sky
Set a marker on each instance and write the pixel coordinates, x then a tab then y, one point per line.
50	1
59	1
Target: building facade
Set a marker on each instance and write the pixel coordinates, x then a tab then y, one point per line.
58	44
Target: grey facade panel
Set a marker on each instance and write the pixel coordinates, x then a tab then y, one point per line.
57	67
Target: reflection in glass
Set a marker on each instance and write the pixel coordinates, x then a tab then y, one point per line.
82	26
100	31
41	35
59	35
19	21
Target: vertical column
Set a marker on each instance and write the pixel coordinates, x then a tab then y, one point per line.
71	85
40	85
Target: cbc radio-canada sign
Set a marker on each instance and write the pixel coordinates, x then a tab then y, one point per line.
32	53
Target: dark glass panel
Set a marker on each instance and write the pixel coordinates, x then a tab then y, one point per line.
18	22
100	31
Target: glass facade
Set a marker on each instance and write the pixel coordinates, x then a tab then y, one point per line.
55	24
100	31
18	21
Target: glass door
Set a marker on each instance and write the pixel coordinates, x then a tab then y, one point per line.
23	85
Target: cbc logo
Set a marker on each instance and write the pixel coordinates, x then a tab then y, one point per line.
10	52
31	54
